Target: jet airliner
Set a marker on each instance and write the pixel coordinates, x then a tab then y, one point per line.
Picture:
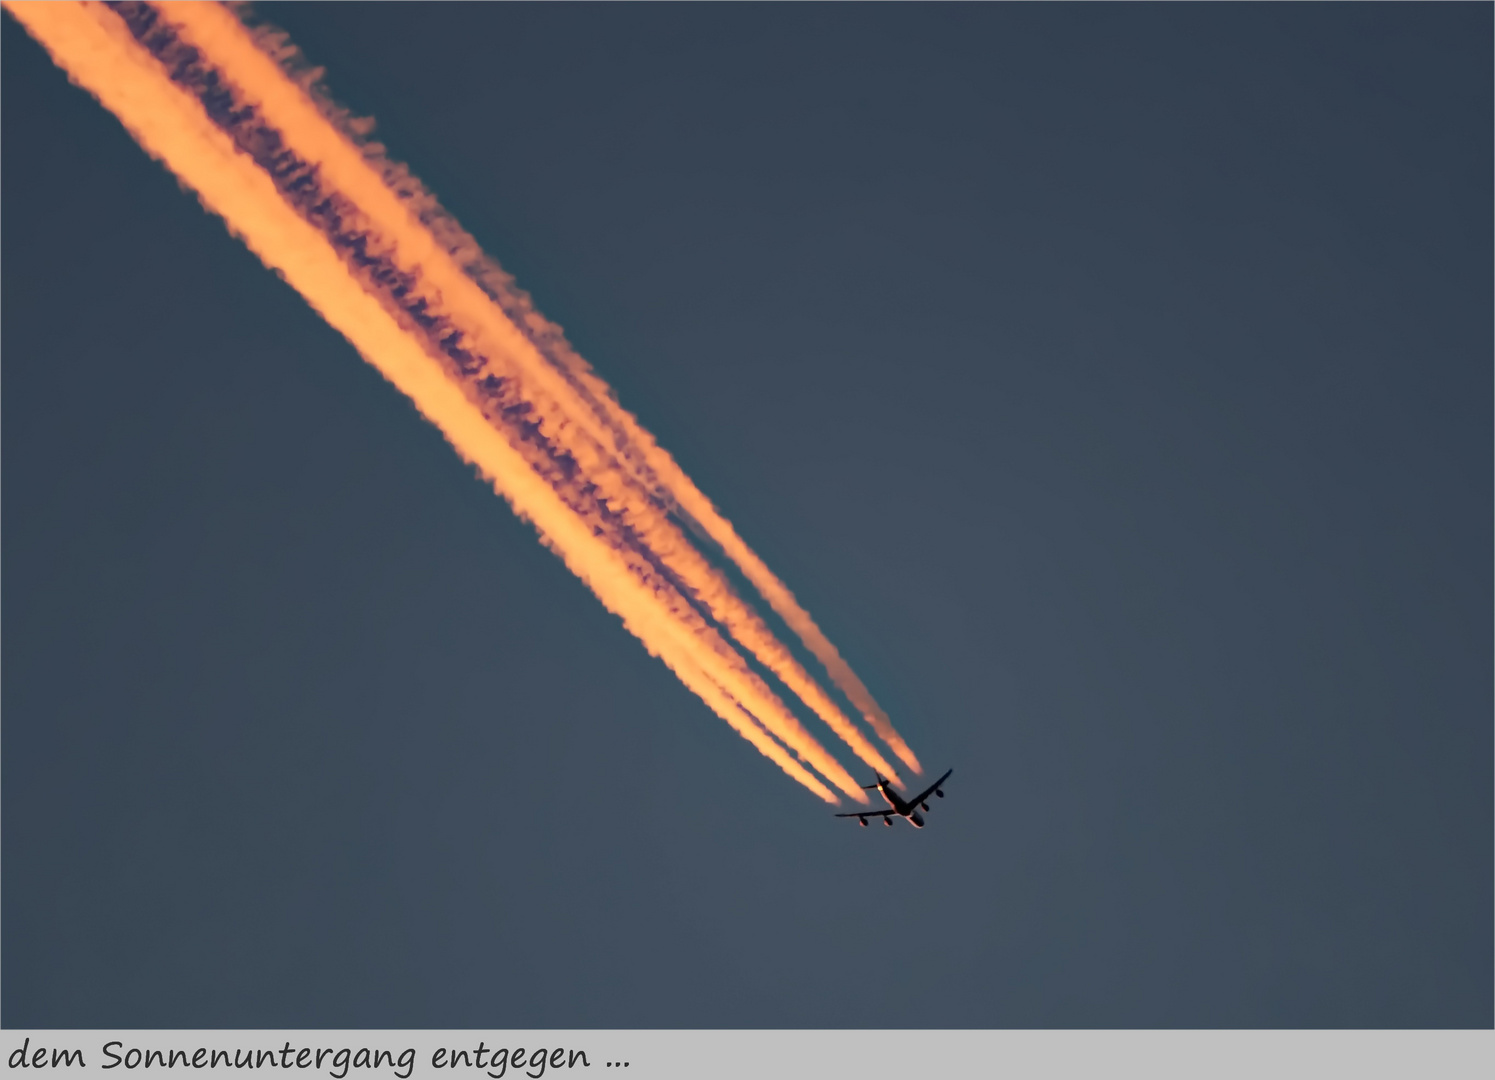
908	811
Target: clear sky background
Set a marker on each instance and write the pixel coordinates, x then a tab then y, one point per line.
1112	383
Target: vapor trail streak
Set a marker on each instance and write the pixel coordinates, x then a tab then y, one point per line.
653	468
378	258
304	127
328	180
100	55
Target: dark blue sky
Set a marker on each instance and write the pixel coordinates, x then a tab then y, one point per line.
1112	383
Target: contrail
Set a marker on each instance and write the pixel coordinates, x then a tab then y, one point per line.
305	127
99	54
200	94
654	472
327	180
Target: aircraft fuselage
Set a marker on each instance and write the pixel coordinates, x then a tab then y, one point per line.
901	808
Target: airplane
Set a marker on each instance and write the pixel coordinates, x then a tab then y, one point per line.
906	810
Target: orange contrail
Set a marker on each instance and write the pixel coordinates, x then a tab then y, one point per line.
372	252
653	470
99	53
653	483
305	132
302	124
287	109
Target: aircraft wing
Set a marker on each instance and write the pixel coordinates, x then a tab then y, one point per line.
870	813
917	799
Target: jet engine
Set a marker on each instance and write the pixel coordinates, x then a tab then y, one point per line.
862	822
938	792
888	822
925	805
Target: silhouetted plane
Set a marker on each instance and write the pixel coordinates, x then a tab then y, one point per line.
909	811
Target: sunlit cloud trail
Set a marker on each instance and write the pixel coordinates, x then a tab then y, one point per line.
632	516
375	256
653	471
305	127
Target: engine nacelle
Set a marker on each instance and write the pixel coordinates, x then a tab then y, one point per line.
888	822
862	822
938	792
925	805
